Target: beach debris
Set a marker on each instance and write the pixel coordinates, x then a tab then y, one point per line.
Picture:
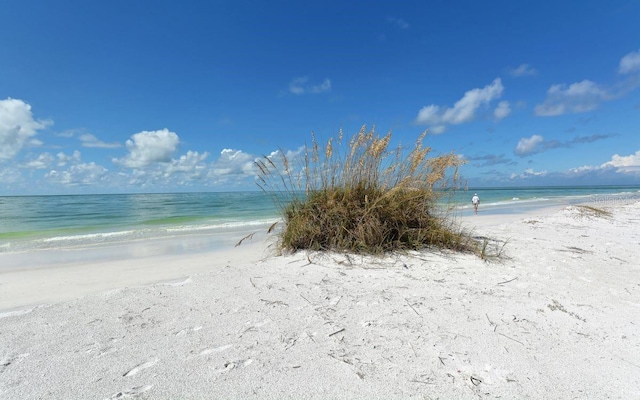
272	227
510	280
475	381
573	249
306	299
336	332
557	306
423	382
274	302
510	338
414	310
249	236
495	326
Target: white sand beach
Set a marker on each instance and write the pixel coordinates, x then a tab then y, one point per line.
556	317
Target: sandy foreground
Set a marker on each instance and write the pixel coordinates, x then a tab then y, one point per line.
557	317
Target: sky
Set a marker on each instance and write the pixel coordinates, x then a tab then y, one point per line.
174	96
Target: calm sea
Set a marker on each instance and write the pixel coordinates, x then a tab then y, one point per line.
46	222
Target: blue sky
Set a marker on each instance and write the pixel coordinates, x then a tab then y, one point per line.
163	96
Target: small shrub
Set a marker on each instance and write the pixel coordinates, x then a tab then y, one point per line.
363	197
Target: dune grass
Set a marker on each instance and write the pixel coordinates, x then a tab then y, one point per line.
590	211
361	196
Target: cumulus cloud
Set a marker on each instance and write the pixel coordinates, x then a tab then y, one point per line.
191	163
587	95
149	147
79	175
625	164
17	127
301	85
233	162
89	140
502	110
528	146
43	161
64	159
618	166
630	63
10	175
523	70
463	110
573	99
528	173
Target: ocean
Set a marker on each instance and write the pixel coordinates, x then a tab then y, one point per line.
69	221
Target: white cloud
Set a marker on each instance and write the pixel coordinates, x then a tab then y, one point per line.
528	173
584	168
89	140
44	160
429	115
190	163
537	144
64	159
528	145
17	127
625	164
66	134
586	95
523	70
616	167
149	147
463	110
79	175
301	86
233	162
10	175
630	63
576	98
502	111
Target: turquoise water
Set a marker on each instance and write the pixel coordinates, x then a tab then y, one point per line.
515	200
45	222
40	222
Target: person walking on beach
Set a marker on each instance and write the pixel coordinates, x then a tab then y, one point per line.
475	200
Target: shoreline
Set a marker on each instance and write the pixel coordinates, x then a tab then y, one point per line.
171	225
40	277
246	324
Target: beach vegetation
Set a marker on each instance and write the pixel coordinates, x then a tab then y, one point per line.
590	211
359	195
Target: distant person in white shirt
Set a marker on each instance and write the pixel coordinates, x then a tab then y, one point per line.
475	200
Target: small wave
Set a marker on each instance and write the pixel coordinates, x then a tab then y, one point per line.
88	236
222	225
516	198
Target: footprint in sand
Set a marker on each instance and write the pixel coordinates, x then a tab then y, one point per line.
7	360
133	392
140	367
215	350
228	366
